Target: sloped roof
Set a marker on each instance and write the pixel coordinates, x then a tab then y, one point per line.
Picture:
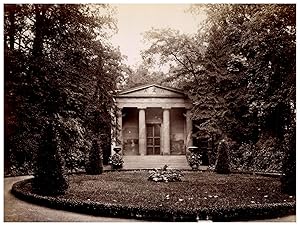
152	90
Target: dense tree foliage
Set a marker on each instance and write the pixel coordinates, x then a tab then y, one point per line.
239	69
178	52
253	47
143	75
59	68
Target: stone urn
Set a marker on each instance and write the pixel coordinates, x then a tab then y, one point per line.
193	149
194	158
116	167
117	149
117	159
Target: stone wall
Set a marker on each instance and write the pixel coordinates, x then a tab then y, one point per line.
177	134
130	131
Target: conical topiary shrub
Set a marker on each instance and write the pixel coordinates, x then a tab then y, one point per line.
49	176
95	162
222	162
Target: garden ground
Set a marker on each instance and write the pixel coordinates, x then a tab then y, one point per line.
132	188
16	210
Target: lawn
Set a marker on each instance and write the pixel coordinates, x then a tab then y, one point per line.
205	189
197	191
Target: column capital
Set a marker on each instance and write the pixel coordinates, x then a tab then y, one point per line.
166	108
141	108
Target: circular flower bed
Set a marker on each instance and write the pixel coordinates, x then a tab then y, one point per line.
199	196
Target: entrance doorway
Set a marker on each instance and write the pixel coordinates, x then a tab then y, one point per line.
153	139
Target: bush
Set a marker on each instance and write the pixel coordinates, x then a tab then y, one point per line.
95	162
21	147
75	142
242	158
264	156
269	156
222	163
49	176
20	169
75	160
165	175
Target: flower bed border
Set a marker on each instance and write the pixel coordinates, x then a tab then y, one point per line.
238	213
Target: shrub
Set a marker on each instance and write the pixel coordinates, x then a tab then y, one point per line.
20	149
165	175
264	156
222	163
75	142
95	162
49	176
20	169
75	160
269	155
242	158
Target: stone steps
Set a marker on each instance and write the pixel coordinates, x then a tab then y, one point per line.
155	161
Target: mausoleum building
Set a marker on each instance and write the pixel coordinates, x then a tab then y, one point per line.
153	120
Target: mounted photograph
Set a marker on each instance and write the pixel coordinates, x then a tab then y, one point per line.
149	112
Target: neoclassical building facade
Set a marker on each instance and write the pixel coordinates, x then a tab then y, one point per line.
153	120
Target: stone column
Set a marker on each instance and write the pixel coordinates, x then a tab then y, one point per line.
119	140
166	131
142	131
189	129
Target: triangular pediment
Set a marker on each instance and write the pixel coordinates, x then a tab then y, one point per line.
153	90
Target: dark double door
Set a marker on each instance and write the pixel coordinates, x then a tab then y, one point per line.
153	139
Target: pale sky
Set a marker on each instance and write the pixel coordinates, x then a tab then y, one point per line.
134	19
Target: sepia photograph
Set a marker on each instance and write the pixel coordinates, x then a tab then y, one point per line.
149	112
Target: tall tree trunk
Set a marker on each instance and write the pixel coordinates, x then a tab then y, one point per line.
12	29
9	38
37	48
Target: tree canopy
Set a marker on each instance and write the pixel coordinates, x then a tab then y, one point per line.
239	69
60	67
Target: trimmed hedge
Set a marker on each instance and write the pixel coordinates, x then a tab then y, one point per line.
222	163
50	176
22	190
95	163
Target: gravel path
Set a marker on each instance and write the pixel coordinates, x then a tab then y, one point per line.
16	210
